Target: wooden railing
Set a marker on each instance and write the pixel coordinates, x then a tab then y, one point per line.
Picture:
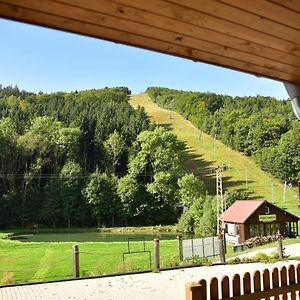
278	284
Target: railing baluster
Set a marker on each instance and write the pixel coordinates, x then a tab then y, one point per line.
292	280
283	276
214	290
236	285
298	273
225	287
266	281
204	289
257	282
275	281
247	283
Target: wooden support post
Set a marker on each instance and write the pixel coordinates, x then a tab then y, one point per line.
222	249
156	254
280	246
194	291
75	261
179	239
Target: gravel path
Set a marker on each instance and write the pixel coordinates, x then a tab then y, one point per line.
291	250
158	286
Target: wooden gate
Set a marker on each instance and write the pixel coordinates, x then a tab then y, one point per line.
259	285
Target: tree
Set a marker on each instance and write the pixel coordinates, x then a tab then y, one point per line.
100	193
114	147
52	206
200	218
190	189
70	187
156	151
164	192
129	192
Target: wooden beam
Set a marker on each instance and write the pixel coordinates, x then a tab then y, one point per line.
291	4
268	10
244	18
182	28
117	23
208	31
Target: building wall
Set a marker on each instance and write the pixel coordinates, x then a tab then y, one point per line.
281	215
264	215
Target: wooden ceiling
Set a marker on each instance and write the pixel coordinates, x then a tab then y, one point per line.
260	37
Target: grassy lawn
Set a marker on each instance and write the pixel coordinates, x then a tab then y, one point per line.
206	153
49	261
42	261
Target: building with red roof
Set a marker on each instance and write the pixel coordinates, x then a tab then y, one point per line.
250	218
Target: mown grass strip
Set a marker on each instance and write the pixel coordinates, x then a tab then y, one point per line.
205	153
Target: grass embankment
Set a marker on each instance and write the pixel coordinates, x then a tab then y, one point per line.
52	261
206	153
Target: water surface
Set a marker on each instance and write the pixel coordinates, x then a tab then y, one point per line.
93	237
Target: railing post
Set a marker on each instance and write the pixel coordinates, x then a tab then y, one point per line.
179	239
156	254
194	291
222	250
75	261
280	247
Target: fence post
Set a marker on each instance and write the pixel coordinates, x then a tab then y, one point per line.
156	254
280	247
179	238
75	261
221	247
194	291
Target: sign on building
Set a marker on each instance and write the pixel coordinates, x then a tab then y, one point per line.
267	218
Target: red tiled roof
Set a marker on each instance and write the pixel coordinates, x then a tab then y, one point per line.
241	210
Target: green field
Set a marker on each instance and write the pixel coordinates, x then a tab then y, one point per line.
206	153
31	262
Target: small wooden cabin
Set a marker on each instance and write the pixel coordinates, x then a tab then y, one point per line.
250	218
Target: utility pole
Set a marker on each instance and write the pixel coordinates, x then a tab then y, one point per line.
284	191
298	194
246	176
272	188
215	147
220	201
220	211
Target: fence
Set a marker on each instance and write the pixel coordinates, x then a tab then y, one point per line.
280	284
202	247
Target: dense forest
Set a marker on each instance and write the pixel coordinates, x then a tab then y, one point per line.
88	158
262	127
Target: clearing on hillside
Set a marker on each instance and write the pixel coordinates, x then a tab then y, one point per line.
206	153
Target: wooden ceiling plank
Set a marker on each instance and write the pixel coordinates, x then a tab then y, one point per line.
215	23
268	10
179	27
43	19
291	4
117	23
241	17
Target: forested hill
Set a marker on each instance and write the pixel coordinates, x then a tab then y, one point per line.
261	127
89	158
50	146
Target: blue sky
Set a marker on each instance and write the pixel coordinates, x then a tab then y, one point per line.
39	59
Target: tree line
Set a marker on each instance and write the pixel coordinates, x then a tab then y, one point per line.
88	158
262	127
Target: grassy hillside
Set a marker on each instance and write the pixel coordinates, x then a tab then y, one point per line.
206	153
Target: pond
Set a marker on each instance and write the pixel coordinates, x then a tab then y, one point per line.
92	237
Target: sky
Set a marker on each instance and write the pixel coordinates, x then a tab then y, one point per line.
39	59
